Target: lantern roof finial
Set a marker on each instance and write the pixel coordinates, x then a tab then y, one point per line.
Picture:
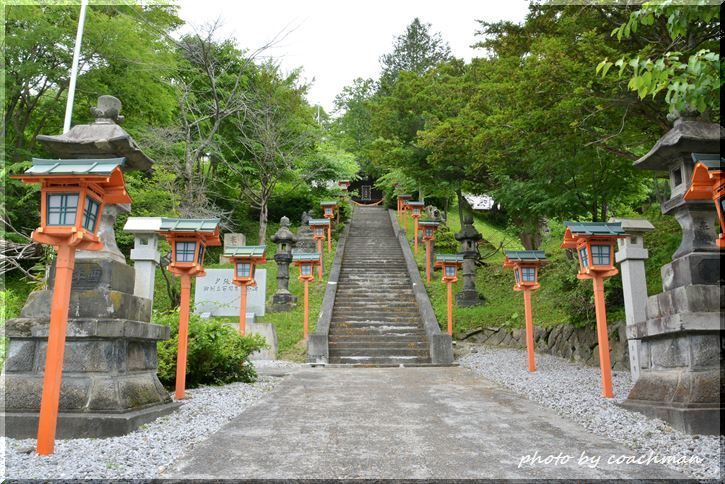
103	138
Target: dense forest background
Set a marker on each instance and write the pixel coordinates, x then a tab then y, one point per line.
547	119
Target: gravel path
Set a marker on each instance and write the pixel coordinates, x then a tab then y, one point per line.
573	391
142	454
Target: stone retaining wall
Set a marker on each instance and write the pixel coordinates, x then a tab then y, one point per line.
564	340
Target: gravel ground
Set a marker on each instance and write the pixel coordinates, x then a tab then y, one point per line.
142	454
574	392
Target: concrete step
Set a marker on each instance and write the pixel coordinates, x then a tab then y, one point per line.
391	330
375	319
387	344
376	338
378	352
368	360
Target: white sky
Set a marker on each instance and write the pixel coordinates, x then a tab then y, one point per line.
336	41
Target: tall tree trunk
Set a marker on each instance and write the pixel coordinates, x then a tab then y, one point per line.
459	196
263	222
531	234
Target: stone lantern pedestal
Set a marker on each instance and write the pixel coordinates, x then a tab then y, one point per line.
283	299
109	384
681	339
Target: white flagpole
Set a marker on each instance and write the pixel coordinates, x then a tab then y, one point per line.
74	67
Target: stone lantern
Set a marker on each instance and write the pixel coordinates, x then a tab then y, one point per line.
468	238
109	382
631	257
283	300
680	349
145	253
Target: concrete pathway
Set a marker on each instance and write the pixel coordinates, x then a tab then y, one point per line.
400	423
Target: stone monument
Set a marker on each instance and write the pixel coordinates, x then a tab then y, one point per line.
630	256
283	299
680	355
109	385
232	240
469	238
305	239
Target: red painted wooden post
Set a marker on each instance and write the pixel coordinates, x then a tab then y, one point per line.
180	392
529	329
47	421
602	336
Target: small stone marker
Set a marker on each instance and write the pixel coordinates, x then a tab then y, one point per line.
215	293
232	240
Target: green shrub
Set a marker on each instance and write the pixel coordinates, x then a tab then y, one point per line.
216	353
445	242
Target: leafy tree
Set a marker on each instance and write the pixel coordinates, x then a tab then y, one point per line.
416	50
352	130
275	131
127	51
681	58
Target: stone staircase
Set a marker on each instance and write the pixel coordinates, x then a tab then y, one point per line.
375	319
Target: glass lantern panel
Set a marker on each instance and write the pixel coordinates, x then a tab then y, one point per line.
306	270
584	257
61	208
601	255
200	260
319	231
429	232
450	271
528	274
721	201
185	251
244	269
328	210
516	275
90	214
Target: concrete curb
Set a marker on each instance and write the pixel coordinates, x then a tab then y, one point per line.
441	345
317	345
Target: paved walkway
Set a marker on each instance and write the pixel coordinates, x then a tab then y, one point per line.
399	423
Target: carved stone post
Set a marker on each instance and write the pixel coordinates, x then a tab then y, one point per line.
631	256
283	300
681	339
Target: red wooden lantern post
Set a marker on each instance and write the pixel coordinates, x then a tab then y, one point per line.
525	264
245	259
306	263
189	239
73	195
416	209
401	207
429	228
594	243
449	264
328	211
320	230
708	183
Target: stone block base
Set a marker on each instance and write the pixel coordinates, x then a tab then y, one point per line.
692	420
268	332
466	299
282	302
21	425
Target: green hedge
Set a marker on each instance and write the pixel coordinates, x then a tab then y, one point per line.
216	354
